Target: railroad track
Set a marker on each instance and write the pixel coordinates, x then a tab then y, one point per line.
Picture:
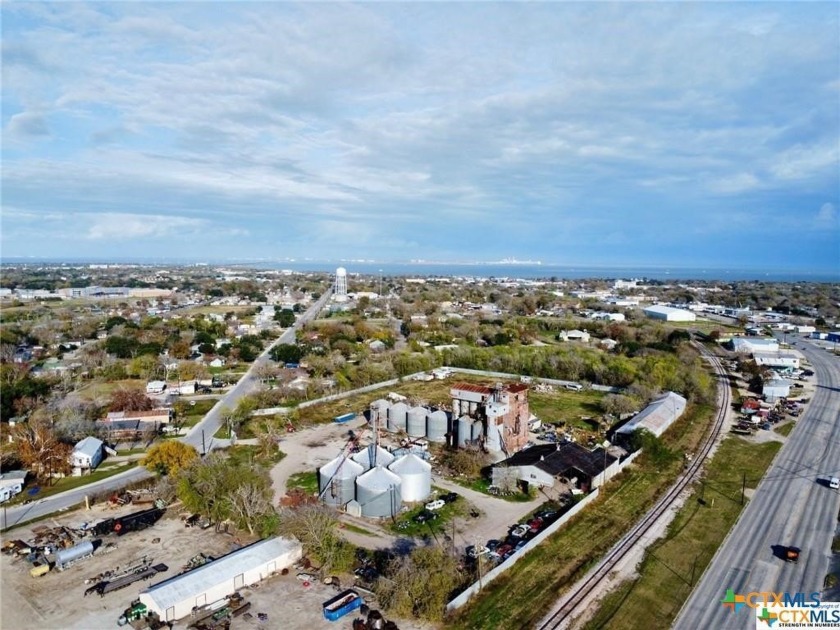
584	587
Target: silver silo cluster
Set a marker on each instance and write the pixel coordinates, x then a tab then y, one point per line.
372	456
397	417
337	480
416	425
416	477
437	426
477	430
379	412
378	492
464	433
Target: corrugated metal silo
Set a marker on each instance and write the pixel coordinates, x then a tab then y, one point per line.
437	426
416	425
373	455
464	430
494	440
416	477
397	415
336	480
378	492
379	411
477	430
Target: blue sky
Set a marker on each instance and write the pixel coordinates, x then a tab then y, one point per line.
574	133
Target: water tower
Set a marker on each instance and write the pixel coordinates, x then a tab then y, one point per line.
340	289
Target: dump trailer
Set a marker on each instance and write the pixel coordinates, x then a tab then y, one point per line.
343	603
67	557
137	520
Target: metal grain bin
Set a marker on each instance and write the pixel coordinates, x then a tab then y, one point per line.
372	456
437	425
464	430
477	430
66	557
416	477
397	415
379	412
416	425
336	480
378	492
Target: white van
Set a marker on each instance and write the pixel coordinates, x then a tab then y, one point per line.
834	483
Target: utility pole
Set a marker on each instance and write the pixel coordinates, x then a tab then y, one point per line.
203	448
743	487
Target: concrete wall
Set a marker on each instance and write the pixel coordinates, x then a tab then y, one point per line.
464	597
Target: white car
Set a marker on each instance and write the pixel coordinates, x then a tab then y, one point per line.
520	530
435	505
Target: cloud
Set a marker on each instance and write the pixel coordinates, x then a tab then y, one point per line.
827	216
27	125
127	227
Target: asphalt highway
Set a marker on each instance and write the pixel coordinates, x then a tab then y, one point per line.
792	506
200	437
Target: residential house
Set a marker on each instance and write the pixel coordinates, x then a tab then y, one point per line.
11	483
87	454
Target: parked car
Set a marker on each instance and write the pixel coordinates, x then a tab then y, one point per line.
449	497
504	551
547	515
536	525
474	552
435	505
520	545
425	516
493	543
519	531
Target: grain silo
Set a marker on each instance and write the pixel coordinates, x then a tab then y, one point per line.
336	480
477	430
437	426
416	425
372	456
379	412
464	431
378	492
416	477
397	415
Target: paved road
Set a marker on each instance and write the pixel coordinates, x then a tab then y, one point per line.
201	432
789	507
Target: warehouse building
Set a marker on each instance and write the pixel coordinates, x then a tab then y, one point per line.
657	416
669	314
776	388
177	597
751	345
776	359
568	463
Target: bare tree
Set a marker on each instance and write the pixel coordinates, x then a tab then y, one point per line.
248	502
40	450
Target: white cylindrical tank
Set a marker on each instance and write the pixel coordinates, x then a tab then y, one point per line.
416	477
464	430
379	412
397	415
416	424
437	426
456	408
372	456
65	557
336	480
378	492
493	441
477	430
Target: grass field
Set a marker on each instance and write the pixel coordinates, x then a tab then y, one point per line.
785	429
306	481
520	597
101	391
566	406
104	471
674	563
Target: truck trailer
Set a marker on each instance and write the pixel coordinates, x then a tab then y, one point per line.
343	603
137	521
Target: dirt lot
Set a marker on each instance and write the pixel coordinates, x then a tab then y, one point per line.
56	601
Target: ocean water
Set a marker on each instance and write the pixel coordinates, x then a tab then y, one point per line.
545	271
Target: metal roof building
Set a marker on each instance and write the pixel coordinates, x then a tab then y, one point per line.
669	313
176	597
657	416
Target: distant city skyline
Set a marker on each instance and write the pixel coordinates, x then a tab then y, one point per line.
592	134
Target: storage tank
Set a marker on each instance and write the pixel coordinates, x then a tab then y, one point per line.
416	425
416	477
464	430
378	492
373	455
437	425
379	412
494	440
397	415
66	557
336	480
477	430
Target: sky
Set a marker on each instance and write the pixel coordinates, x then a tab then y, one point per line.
679	134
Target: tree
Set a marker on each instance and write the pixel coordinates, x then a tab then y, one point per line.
285	317
40	450
316	527
419	584
169	457
127	399
286	353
